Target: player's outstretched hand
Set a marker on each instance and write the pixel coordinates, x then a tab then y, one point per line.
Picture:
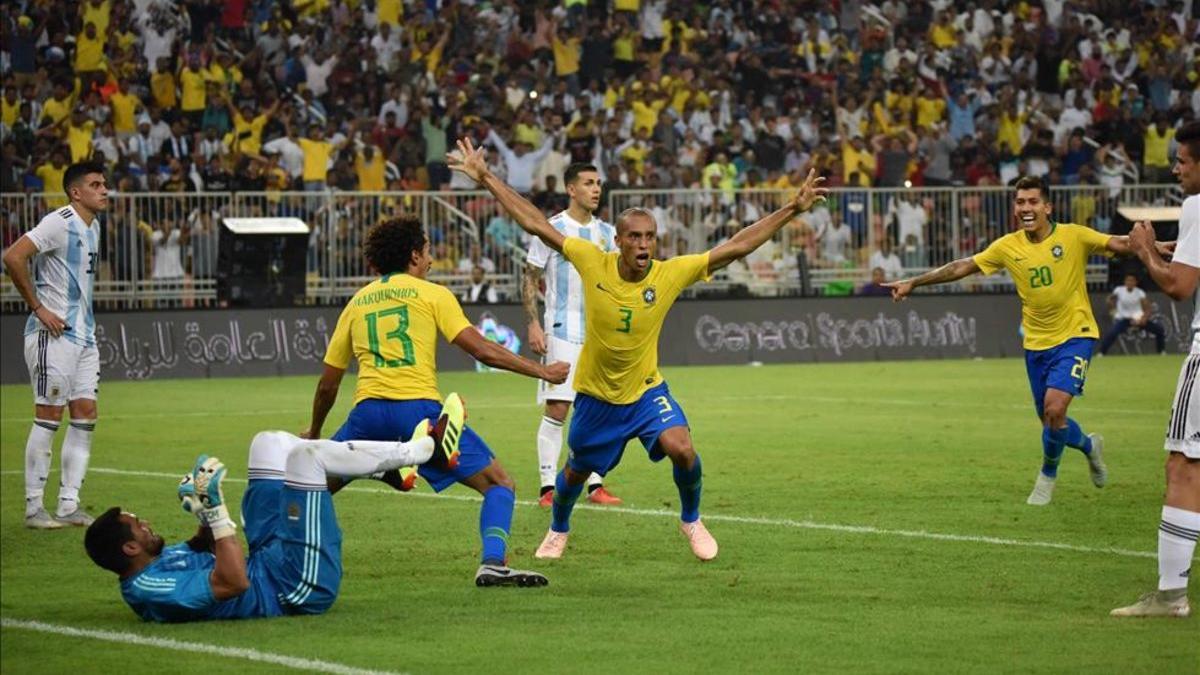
468	160
810	192
556	373
900	289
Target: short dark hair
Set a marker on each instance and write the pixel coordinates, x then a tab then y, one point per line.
77	171
390	244
1189	135
105	539
624	216
575	169
1032	183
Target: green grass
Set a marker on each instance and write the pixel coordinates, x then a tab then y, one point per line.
946	447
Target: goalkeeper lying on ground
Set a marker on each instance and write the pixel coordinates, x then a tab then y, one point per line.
295	565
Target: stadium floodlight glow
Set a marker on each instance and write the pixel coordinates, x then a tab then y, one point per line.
533	94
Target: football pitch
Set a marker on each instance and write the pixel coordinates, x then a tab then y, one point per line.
871	518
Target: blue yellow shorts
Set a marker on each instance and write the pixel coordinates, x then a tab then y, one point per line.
599	430
1063	367
376	419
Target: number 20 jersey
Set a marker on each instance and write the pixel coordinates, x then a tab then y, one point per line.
1051	280
390	328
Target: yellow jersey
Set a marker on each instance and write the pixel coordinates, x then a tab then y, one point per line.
193	84
1051	281
124	112
316	159
390	328
623	319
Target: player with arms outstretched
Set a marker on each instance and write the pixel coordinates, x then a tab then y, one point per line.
390	329
1047	261
561	339
60	340
1179	528
295	561
621	395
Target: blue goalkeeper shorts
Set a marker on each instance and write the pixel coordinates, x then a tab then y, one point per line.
599	430
295	542
376	419
1063	367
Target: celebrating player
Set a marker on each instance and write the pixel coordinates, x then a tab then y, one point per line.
295	562
390	328
562	337
1048	262
60	340
1180	526
621	394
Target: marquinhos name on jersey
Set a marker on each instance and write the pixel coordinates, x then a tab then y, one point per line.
63	272
564	289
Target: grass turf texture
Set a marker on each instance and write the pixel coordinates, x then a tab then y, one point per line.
936	446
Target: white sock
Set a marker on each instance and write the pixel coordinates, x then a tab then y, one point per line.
1176	542
310	462
76	451
37	462
594	480
549	445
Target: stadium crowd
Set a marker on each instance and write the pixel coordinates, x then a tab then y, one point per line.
325	96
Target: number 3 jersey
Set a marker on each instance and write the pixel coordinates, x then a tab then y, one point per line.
63	272
619	360
1051	280
390	328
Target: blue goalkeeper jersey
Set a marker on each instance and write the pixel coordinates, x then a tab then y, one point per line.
176	587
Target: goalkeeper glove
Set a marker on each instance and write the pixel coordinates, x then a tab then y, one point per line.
203	496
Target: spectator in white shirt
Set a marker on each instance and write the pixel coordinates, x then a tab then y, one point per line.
887	260
520	164
1130	308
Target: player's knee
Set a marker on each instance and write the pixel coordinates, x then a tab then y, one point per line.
681	452
268	453
1183	473
557	410
83	408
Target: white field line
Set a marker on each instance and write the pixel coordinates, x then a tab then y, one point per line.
721	518
697	400
242	653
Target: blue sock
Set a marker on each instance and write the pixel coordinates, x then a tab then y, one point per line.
1076	438
689	482
1052	450
495	522
565	496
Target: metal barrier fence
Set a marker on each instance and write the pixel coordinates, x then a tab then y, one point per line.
160	249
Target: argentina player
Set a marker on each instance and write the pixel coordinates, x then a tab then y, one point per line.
60	339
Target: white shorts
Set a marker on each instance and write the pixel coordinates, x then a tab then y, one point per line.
559	350
60	370
1183	431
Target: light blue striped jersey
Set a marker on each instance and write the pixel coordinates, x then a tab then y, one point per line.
64	270
564	289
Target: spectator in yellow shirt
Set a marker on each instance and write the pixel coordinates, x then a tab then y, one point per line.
371	169
1156	161
125	107
192	84
943	34
162	86
930	107
59	105
317	154
566	58
90	64
79	134
52	173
